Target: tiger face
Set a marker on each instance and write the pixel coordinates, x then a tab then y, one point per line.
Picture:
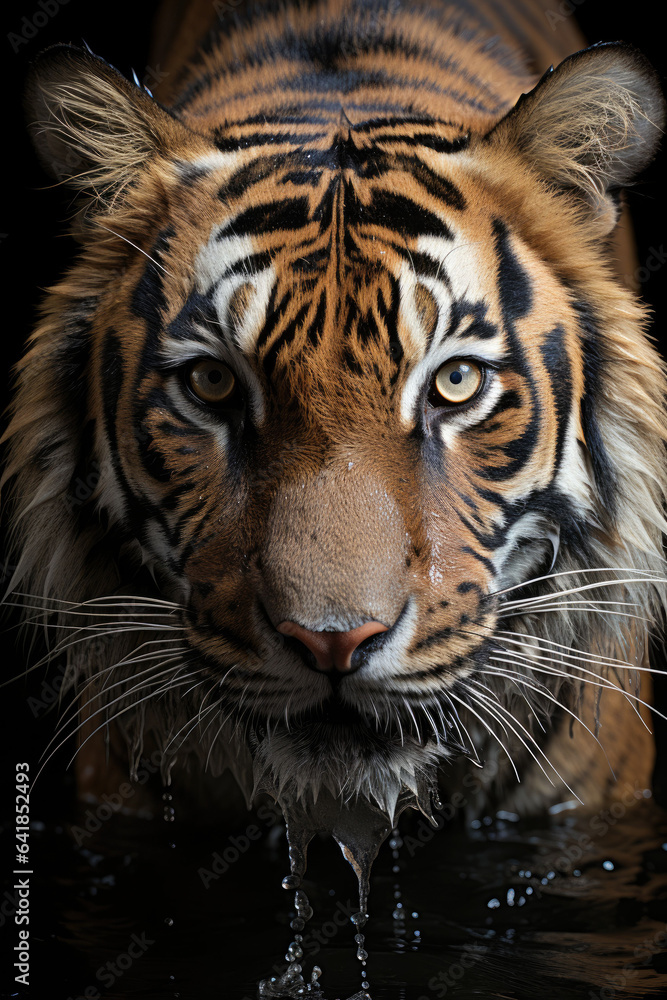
356	399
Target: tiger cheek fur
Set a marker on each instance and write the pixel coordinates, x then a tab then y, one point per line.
337	551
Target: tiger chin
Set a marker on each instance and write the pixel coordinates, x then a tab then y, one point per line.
337	456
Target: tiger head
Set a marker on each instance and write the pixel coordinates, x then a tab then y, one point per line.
346	408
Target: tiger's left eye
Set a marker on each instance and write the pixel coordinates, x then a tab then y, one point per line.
211	381
457	382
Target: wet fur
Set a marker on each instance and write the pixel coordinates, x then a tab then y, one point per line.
75	541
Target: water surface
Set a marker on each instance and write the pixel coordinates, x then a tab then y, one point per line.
502	909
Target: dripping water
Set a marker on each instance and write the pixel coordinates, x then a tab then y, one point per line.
359	828
292	982
168	811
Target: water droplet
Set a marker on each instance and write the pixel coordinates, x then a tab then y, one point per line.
303	907
294	952
291	882
169	921
608	866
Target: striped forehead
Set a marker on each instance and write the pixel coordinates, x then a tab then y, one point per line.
259	288
236	302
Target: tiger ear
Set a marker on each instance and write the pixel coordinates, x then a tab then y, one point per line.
591	125
92	128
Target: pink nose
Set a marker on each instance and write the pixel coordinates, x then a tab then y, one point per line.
332	650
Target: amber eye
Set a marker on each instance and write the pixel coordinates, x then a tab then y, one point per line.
457	382
211	381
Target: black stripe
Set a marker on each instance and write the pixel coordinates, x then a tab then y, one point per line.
111	384
285	338
557	363
397	212
275	216
606	479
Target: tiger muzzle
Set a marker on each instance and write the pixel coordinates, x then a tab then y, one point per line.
333	568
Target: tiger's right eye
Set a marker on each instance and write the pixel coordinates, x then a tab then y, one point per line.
457	382
211	381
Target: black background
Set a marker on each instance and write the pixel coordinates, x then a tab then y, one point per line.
34	250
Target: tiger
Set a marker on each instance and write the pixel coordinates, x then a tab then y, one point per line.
336	460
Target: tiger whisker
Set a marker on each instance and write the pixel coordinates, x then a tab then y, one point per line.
518	678
599	682
62	646
125	240
489	730
553	600
104	689
192	722
576	654
497	706
213	741
107	722
125	694
648	576
435	729
120	599
456	718
559	608
407	705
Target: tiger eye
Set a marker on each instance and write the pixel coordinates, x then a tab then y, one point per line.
211	381
458	381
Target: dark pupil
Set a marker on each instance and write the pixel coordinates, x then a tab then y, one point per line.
215	376
456	377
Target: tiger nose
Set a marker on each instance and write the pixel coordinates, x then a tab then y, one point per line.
333	651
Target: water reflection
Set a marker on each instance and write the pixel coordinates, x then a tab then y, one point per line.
575	909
